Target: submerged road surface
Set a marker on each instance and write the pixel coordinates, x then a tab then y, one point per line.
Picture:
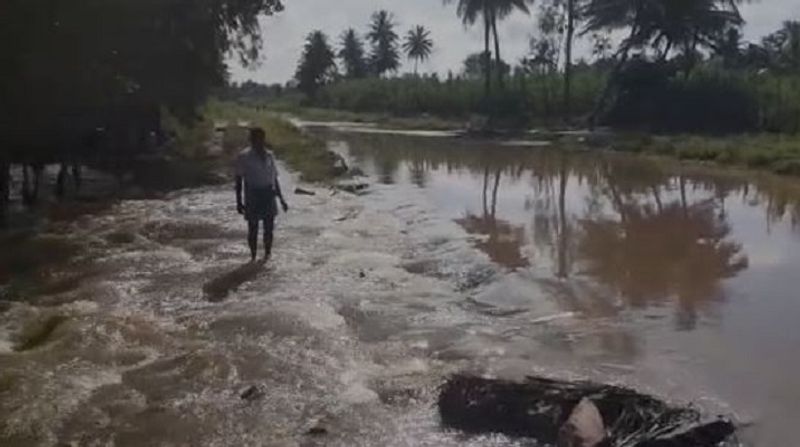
460	258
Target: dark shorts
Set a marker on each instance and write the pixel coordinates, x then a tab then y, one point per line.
260	204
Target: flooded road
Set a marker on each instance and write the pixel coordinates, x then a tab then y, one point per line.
462	256
673	278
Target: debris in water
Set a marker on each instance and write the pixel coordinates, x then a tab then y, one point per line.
317	431
304	192
362	275
352	188
538	409
350	214
252	393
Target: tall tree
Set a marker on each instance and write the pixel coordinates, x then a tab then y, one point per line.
385	55
317	65
729	48
784	46
569	14
470	11
418	45
169	52
572	17
64	62
352	55
545	49
500	10
665	25
661	25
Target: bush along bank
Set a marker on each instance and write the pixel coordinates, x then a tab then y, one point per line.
301	152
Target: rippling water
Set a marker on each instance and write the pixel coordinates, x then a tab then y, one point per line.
675	278
462	256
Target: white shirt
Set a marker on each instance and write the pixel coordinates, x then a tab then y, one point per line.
258	172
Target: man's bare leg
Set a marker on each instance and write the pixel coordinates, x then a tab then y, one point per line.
269	227
252	238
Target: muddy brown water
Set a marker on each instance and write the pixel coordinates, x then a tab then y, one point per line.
676	278
462	256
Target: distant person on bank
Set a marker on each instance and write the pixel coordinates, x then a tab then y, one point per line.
257	177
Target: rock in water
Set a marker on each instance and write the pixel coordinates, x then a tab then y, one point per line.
584	428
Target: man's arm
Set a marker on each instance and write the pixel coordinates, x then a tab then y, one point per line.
279	193
239	203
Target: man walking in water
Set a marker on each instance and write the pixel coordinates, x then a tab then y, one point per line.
257	175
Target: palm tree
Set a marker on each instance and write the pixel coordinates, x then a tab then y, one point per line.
784	45
317	65
470	11
665	24
490	11
500	10
352	55
418	45
661	25
571	12
385	56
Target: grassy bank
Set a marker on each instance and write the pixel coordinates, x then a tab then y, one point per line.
300	151
775	153
779	154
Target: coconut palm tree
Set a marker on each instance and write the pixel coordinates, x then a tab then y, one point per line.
418	45
500	10
490	11
352	55
665	24
385	55
662	25
470	11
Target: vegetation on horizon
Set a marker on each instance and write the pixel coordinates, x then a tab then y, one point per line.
683	67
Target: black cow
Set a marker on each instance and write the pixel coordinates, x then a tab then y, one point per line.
106	138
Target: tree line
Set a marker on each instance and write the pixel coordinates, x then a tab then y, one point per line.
680	52
318	66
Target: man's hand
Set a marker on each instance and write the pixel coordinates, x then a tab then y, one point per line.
240	208
284	205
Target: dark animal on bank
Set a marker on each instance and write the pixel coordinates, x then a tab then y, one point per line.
106	138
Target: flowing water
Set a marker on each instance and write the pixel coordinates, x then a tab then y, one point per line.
462	256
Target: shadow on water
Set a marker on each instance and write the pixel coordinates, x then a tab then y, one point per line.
220	287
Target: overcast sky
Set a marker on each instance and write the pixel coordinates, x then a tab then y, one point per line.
284	33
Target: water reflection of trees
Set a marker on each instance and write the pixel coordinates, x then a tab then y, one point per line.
647	232
650	256
504	241
779	198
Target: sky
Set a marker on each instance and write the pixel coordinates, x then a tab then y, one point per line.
285	33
